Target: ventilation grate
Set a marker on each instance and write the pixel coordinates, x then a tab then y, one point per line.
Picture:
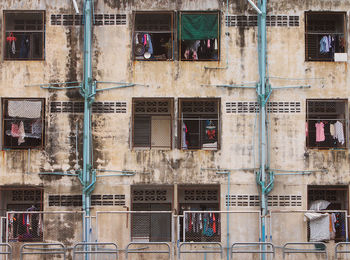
254	200
272	107
271	20
99	19
195	195
78	107
96	200
150	195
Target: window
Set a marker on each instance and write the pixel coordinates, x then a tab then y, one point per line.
324	35
153	36
199	123
24	34
152	121
199	36
326	125
151	227
200	227
332	198
22	199
23	123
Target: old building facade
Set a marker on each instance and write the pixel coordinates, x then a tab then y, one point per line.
179	134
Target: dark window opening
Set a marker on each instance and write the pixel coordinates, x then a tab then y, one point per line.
151	227
22	226
331	198
199	123
152	122
200	227
199	36
24	35
153	36
326	125
324	35
23	123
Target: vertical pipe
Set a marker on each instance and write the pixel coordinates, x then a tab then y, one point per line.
261	100
87	90
228	216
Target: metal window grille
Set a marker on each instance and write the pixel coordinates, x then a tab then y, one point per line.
320	24
160	27
199	123
152	123
38	226
23	123
25	34
271	20
328	112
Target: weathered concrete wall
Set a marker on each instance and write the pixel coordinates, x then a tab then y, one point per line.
112	61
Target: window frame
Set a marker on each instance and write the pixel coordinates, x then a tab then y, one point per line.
4	102
146	115
343	120
218	13
307	17
181	119
21	204
171	32
192	204
147	206
330	188
42	32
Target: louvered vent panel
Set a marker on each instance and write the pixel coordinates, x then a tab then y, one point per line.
253	107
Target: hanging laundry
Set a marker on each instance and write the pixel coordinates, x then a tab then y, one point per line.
332	130
14	130
306	129
216	44
25	46
324	44
214	224
150	46
319	226
320	137
11	39
339	132
21	133
183	137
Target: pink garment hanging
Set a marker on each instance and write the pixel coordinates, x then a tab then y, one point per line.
306	129
14	130
145	40
320	132
208	43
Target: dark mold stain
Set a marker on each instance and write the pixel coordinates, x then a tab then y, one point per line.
72	62
118	4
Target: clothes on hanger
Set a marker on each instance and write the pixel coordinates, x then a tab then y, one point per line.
339	132
320	137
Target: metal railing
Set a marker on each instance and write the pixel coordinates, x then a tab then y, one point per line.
263	248
280	220
8	250
339	251
92	248
320	248
144	250
208	248
43	249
